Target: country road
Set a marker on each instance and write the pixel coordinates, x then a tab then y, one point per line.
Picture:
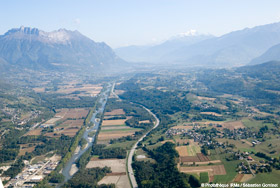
132	151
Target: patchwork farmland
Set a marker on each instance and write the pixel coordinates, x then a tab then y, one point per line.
115	128
66	121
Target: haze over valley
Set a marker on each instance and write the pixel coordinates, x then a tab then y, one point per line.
117	94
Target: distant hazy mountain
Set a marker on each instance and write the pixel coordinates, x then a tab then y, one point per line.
232	49
269	68
260	83
156	52
62	50
272	54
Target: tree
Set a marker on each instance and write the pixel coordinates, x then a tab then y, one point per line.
57	178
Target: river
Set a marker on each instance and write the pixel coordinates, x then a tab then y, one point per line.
102	101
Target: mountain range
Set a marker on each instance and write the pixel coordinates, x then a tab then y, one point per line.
272	54
233	49
32	48
154	53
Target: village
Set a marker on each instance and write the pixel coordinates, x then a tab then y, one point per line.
34	173
17	117
208	139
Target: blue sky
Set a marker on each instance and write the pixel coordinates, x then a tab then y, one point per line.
127	22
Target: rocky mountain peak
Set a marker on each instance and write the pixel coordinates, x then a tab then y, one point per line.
57	36
61	49
23	30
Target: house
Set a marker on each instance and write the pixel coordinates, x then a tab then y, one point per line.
249	158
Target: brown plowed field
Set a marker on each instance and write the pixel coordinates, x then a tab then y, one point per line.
116	165
115	112
182	150
212	170
198	158
72	123
115	127
247	177
52	121
70	132
238	177
211	113
27	149
203	163
119	181
75	113
144	121
233	125
111	135
70	128
202	157
189	159
35	132
113	122
87	89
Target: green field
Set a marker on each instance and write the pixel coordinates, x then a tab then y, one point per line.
250	123
272	177
242	146
125	145
265	148
230	167
193	150
247	150
204	178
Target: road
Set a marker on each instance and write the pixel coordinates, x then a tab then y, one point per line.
250	168
132	151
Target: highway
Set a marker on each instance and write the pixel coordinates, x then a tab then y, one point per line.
132	151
